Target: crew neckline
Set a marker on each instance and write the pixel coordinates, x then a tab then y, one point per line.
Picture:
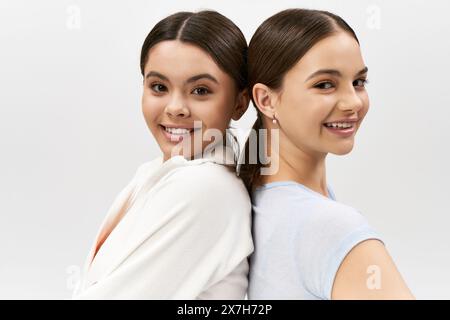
275	184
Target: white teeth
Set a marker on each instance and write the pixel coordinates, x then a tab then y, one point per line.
340	125
177	130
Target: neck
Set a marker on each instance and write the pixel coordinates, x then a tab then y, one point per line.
296	164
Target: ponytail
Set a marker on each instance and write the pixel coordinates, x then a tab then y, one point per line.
249	171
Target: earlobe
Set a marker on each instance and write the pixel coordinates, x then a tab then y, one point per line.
263	97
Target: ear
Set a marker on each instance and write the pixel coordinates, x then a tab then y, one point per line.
265	99
241	106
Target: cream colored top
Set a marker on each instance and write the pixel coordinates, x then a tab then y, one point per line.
181	229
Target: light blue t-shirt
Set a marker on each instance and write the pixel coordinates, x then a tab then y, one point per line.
301	237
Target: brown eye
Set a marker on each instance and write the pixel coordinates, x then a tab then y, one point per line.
157	87
360	82
324	85
201	91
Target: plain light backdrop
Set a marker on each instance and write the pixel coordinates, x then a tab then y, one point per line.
72	133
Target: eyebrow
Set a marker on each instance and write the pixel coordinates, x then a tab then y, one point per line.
335	73
191	79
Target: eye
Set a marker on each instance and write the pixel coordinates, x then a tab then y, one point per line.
324	85
158	87
360	82
201	91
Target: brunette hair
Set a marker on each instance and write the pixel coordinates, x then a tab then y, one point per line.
209	30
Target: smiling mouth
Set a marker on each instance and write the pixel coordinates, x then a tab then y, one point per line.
174	134
177	131
339	125
344	129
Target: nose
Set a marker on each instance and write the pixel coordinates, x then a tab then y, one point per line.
177	108
350	102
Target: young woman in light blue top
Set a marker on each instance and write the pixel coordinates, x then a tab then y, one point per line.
307	80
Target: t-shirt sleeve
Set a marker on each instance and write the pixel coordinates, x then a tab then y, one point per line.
328	234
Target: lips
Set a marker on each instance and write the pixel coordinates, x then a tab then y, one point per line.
350	120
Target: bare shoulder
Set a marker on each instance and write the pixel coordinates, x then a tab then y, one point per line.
369	272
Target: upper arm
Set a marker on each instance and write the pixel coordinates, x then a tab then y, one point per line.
368	272
233	286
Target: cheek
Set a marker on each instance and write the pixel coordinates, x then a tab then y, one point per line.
216	119
365	104
152	107
307	112
216	114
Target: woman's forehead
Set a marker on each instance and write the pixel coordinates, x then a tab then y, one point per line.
179	60
337	52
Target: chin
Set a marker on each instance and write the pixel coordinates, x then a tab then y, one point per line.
170	151
178	150
342	149
341	152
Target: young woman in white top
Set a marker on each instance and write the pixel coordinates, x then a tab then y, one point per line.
307	79
181	228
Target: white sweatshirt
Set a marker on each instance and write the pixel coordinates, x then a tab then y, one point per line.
184	233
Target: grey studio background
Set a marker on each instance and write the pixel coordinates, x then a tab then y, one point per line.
72	133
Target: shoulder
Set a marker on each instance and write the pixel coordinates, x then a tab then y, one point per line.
329	224
326	232
209	187
307	207
206	171
336	214
310	217
207	177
